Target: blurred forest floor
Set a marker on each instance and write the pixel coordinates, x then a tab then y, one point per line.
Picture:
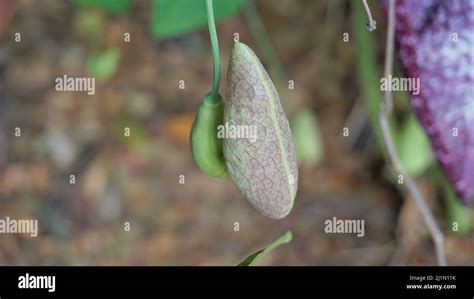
136	179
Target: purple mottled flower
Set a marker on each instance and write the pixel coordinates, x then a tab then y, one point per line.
436	44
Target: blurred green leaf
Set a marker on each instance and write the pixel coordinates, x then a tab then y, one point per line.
414	147
254	258
114	6
89	23
456	212
306	137
367	66
102	65
171	18
138	134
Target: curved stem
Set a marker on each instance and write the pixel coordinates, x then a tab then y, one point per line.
214	49
386	109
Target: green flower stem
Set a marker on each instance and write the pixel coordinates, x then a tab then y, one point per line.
215	51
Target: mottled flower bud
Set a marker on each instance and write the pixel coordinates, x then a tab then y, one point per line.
264	168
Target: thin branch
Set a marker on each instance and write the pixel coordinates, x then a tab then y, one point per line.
385	110
389	49
372	24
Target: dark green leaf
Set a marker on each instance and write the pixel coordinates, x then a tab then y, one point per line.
254	258
171	18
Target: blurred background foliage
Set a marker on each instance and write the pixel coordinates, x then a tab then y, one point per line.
152	85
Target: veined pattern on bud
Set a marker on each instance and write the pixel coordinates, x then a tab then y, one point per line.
265	171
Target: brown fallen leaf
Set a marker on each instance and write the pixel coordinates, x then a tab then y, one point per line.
178	128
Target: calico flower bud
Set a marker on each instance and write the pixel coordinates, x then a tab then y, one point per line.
263	169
